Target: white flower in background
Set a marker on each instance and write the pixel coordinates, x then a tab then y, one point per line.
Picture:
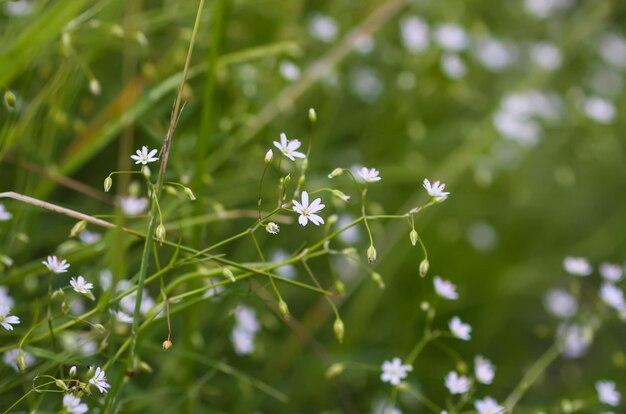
89	237
213	291
243	341
453	66
323	27
578	266
5	298
599	110
575	340
607	393
366	83
364	44
451	37
382	406
18	8
132	206
394	371
494	54
349	236
610	271
4	214
106	279
7	320
445	288
488	406
484	370
56	265
78	306
10	358
414	33
612	296
79	343
482	236
127	303
545	55
287	271
459	329
144	156
289	147
247	326
369	175
546	8
560	303
80	285
457	384
435	189
613	50
246	319
72	371
121	317
73	405
99	379
307	211
289	70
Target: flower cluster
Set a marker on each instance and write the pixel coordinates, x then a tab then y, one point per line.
245	330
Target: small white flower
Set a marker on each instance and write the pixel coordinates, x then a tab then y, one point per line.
323	27
289	70
369	175
4	214
243	341
578	266
246	319
445	288
7	320
484	370
546	55
99	379
269	156
132	206
89	237
307	211
127	304
73	405
287	271
5	298
122	317
560	303
73	371
611	272
575	340
599	110
289	147
10	358
453	66
457	384
56	265
272	228
451	37
80	285
394	371
414	33
435	189
607	393
613	50
488	406
612	296
144	157
459	329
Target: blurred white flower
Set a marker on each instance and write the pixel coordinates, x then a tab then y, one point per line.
78	343
307	211
351	235
56	265
459	329
106	279
18	8
445	288
435	190
494	54
610	271
7	321
366	84
289	70
144	156
89	237
10	358
5	298
457	384
560	303
394	371
612	296
243	341
364	44
121	317
132	206
99	379
414	33
545	55
546	8
453	66
599	110
488	406
289	147
287	271
323	27
613	50
607	393
484	370
482	236
80	285
246	319
73	405
4	213
575	340
369	175
451	37
578	266
127	303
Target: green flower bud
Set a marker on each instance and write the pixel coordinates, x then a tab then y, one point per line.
284	309
10	100
189	193
312	115
334	370
339	329
377	278
336	172
424	267
78	228
371	254
413	237
160	233
108	182
228	274
269	156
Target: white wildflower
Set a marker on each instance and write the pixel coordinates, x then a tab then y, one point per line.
484	370
369	175
451	37
144	157
56	264
545	55
80	285
494	54
457	384
575	340
323	28
445	288
7	320
453	66
99	379
459	329
132	206
414	33
289	70
611	272
488	406
289	147
599	110
394	371
4	213
560	303
612	296
11	357
578	266
73	405
246	319
435	189
89	237
607	393
307	211
272	228
5	298
243	341
613	50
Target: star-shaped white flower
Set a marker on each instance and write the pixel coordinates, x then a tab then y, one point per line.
488	406
73	405
435	190
457	384
144	157
607	393
612	296
7	320
369	175
394	371
80	285
99	379
56	265
484	370
445	288
459	329
289	147
4	214
307	211
578	266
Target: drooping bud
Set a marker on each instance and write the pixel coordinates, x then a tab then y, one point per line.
160	233
167	344
10	100
190	194
339	329
73	371
413	237
228	274
336	172
269	156
312	115
145	367
284	309
371	254
94	87
378	279
272	228
340	194
424	267
21	361
108	182
100	329
78	228
340	287
334	370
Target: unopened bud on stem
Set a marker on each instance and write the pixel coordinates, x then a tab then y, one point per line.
78	228
160	233
108	182
413	237
371	254
284	309
424	267
339	329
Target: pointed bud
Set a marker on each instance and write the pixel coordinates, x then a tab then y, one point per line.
312	115
94	87
228	274
340	287
338	327
108	182
378	279
272	228
424	306
269	156
424	267
167	344
341	195
301	180
160	233
9	100
60	384
287	180
145	367
100	329
73	371
21	361
336	172
78	228
371	254
284	309
413	237
190	194
146	172
334	370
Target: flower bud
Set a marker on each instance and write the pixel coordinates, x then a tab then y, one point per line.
108	182
228	274
78	228
340	287
146	172
341	195
336	172
100	329
312	115
6	260
66	39
287	180
9	100
284	309
332	219
94	87
424	306
338	327
60	384
413	237
160	233
334	370
73	371
377	278
371	254
21	361
167	344
190	194
269	156
424	267
272	228
145	367
301	180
